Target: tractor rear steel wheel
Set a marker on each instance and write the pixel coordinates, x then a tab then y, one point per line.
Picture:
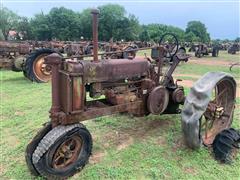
219	113
208	108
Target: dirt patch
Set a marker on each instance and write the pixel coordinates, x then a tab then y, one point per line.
119	139
187	75
96	157
190	170
189	84
186	83
178	144
140	129
11	140
2	170
123	144
161	141
210	62
144	128
19	113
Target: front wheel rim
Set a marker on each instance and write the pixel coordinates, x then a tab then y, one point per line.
67	153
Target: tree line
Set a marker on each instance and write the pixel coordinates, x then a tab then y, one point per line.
114	23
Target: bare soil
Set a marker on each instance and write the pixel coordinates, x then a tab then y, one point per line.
96	157
189	83
188	75
210	62
12	140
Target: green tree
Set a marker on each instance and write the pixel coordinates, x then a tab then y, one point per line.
190	37
64	24
41	27
144	35
24	28
199	30
1	35
237	39
156	31
110	21
127	29
85	19
177	31
8	21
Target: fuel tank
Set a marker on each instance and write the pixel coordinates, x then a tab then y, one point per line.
108	70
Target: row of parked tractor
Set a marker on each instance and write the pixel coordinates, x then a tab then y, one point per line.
206	49
28	56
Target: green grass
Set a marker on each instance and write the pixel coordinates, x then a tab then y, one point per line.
124	147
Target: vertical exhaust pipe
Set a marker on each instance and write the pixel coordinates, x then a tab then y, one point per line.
95	13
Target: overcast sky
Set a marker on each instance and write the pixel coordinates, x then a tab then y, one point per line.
220	17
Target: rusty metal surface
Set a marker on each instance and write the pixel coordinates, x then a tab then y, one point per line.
54	60
158	100
41	70
178	95
67	153
208	108
6	48
95	13
96	109
110	70
128	85
219	113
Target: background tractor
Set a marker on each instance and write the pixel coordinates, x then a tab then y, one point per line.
234	48
204	50
28	57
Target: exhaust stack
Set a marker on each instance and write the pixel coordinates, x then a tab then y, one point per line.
95	13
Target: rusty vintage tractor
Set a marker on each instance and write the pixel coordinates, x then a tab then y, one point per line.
138	86
28	57
204	50
234	48
122	50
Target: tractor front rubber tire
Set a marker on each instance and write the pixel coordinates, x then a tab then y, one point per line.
44	155
33	145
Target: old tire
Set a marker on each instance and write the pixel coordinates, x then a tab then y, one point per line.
35	69
33	145
195	131
130	52
225	144
198	54
63	151
215	52
182	50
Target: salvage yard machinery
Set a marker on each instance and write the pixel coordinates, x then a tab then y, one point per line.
28	57
204	50
137	86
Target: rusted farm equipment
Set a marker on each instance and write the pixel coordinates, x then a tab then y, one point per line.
234	65
204	50
29	56
138	86
233	48
122	50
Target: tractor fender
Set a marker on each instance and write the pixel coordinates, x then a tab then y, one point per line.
196	104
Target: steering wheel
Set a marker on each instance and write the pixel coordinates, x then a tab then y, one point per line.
170	42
